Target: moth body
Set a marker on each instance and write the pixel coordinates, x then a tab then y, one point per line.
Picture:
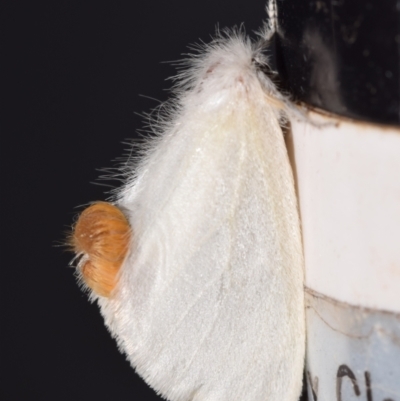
209	300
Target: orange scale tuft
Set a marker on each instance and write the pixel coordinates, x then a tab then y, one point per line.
101	236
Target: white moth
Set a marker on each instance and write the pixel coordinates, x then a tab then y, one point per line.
209	302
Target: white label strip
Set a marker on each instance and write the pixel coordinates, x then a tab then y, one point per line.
353	353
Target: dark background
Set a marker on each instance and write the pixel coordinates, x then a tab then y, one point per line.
74	75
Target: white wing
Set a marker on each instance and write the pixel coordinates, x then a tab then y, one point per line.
210	299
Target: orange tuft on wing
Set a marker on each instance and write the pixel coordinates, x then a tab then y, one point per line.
101	237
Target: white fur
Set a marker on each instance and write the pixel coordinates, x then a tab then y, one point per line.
210	298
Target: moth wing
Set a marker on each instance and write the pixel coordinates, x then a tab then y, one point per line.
210	299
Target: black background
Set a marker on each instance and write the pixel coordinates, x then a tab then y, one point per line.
74	75
342	56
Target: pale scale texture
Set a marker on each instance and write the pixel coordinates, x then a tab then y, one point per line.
209	304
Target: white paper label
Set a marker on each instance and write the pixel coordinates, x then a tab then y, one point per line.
353	353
